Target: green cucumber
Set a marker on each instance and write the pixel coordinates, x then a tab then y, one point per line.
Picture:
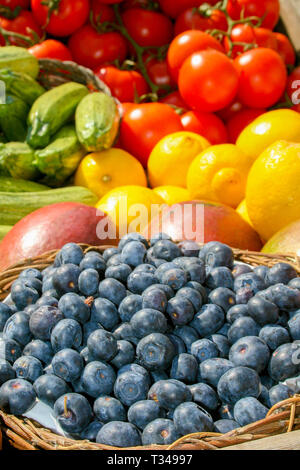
17	161
13	115
19	59
21	85
12	185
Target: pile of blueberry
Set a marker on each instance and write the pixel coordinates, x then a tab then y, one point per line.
150	341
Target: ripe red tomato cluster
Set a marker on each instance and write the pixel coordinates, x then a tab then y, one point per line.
165	51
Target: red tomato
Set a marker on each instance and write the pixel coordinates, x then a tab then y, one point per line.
208	81
101	12
93	49
185	45
260	8
206	124
146	124
110	2
174	7
262	37
240	120
159	74
192	19
231	110
262	77
126	85
69	16
148	28
12	4
174	99
134	4
51	49
23	24
293	87
285	49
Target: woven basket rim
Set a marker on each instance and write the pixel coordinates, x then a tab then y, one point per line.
25	434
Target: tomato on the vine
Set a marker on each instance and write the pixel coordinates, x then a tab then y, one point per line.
231	110
126	85
93	49
285	49
12	4
110	2
262	77
101	13
174	100
185	45
51	49
208	81
267	9
142	128
208	125
244	33
158	72
148	28
65	16
193	19
173	8
24	24
240	120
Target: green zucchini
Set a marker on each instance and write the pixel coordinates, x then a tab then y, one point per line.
13	115
17	161
19	59
97	122
21	85
4	229
51	111
12	185
15	206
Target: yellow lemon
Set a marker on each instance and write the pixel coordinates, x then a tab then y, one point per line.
171	157
242	210
131	207
273	189
282	124
219	174
172	194
106	170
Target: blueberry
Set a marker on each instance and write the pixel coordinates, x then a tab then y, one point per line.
144	412
208	320
98	379
189	248
204	349
177	343
237	311
160	431
295	283
133	253
279	393
86	356
205	396
263	311
281	273
224	426
285	297
155	351
125	354
112	290
163	287
188	334
73	412
131	387
267	381
184	367
250	351
243	295
75	307
148	321
10	350
31	272
70	254
216	254
129	237
158	375
88	282
159	236
164	267
103	311
23	294
120	272
119	434
223	297
194	267
212	370
243	326
284	362
239	269
67	364
180	310
88	328
28	368
190	418
43	320
249	410
95	261
145	268
226	411
137	369
48	285
199	288
6	371
91	431
274	336
169	393
129	306
109	252
17	328
261	271
154	299
237	383
294	326
65	278
109	409
166	249
219	277
46	300
175	278
5	313
192	295
49	388
222	344
114	261
102	345
125	331
17	396
66	334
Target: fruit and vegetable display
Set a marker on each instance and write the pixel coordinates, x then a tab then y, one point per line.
150	341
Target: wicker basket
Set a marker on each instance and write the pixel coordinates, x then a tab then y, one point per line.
25	434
